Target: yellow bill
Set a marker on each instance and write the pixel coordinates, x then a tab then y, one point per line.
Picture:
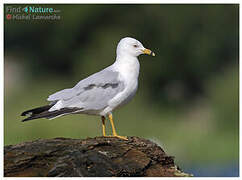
149	52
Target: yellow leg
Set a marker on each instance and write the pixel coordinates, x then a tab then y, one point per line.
110	116
103	125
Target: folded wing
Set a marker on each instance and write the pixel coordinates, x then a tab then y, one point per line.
92	93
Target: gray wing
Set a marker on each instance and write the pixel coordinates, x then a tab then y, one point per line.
93	93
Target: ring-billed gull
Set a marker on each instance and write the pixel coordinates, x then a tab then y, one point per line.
100	93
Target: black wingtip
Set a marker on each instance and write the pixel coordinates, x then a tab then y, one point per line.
27	119
36	110
26	112
23	114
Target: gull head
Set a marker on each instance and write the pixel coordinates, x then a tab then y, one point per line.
132	47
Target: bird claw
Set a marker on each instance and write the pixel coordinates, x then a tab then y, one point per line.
122	137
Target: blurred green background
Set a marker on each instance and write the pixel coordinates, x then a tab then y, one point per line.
188	98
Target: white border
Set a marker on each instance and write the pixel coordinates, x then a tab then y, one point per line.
123	2
2	87
240	108
90	2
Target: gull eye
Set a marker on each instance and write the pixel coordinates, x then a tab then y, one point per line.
135	46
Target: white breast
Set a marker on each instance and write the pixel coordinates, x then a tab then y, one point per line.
129	73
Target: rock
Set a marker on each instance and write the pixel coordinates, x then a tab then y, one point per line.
91	157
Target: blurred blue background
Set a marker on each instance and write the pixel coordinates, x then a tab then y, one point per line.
188	98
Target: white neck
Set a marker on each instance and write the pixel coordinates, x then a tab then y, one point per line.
127	65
